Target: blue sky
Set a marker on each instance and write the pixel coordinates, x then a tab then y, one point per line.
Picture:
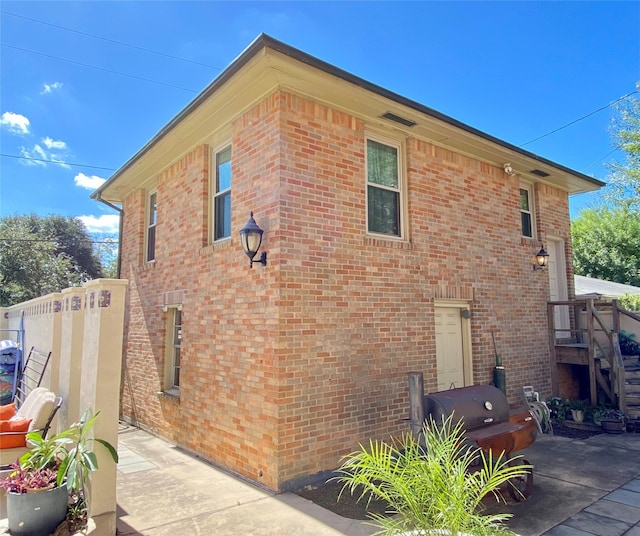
91	82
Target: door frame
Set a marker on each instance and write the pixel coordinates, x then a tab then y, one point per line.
556	244
465	317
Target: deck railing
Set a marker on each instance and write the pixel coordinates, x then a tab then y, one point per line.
598	338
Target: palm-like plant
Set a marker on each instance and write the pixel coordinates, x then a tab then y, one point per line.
433	485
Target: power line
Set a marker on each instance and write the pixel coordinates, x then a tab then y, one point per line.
601	159
579	119
178	58
98	68
93	36
113	242
4	155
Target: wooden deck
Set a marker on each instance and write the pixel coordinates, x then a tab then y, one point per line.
594	343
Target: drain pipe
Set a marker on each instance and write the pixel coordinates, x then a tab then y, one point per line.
121	213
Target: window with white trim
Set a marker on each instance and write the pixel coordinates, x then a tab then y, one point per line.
221	203
173	348
526	211
384	187
152	212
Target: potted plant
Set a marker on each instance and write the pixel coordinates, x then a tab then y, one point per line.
433	485
50	481
35	503
577	408
611	420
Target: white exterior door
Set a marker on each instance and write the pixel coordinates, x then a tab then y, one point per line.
449	348
558	286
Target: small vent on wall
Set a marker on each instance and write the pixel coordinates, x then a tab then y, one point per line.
539	173
398	119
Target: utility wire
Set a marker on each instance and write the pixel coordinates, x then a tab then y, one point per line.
579	119
4	155
93	36
98	68
150	51
112	242
601	159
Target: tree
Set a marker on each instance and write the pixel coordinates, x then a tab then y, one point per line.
105	246
40	255
606	244
624	181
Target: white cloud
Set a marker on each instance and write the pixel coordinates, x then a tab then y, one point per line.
90	183
54	144
35	155
107	223
39	151
16	123
30	154
49	88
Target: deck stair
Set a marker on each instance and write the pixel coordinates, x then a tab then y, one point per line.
594	342
632	390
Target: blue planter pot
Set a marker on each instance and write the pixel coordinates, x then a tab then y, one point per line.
36	514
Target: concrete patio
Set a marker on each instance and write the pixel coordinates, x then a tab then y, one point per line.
581	488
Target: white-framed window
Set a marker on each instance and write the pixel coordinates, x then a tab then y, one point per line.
173	348
384	187
152	213
526	210
221	202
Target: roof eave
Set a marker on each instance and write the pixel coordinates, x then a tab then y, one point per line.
264	41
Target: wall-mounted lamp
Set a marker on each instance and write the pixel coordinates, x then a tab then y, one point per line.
251	237
542	259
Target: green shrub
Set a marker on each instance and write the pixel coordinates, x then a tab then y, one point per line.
631	302
430	486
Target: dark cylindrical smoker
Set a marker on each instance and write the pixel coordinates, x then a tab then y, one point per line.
478	406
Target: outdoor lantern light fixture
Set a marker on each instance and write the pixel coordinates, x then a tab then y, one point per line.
251	237
542	259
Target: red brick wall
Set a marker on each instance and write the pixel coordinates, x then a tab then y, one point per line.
287	367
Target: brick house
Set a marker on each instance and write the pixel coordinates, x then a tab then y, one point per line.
398	240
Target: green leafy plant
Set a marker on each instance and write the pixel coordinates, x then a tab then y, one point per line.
609	414
628	343
70	450
578	405
558	408
435	482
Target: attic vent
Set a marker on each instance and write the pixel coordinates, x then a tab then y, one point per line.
398	119
539	173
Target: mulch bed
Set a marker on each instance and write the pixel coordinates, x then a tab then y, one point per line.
574	433
347	505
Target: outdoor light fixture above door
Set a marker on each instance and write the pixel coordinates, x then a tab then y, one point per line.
251	237
542	259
